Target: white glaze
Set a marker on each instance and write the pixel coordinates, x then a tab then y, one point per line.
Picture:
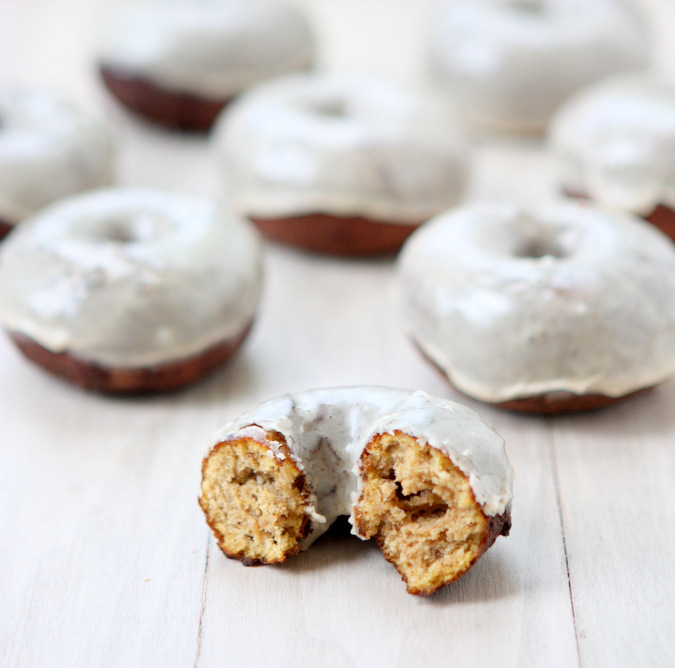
130	278
510	63
513	303
48	149
343	145
210	48
327	430
615	142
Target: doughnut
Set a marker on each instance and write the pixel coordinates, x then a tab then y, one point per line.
510	63
178	63
557	308
49	149
129	290
615	143
425	477
339	164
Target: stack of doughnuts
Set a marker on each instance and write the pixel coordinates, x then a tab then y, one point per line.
178	63
49	149
345	165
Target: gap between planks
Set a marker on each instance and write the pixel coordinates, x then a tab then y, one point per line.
202	602
553	456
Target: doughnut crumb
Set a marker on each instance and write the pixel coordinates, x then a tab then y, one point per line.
254	502
421	510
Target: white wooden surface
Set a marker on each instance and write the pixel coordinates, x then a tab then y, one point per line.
105	559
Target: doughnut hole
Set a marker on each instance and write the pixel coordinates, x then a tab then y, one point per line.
534	240
537	248
254	503
135	228
526	6
329	107
420	509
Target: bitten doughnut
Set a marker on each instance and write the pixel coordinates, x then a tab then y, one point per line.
615	143
425	477
510	63
562	307
130	290
49	149
340	164
178	63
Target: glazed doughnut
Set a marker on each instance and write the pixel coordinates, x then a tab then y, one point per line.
425	477
179	63
510	63
127	290
563	307
340	164
615	143
49	149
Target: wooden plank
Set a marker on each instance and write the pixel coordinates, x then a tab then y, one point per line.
102	548
616	469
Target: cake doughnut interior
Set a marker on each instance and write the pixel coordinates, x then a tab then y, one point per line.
420	509
255	503
385	458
